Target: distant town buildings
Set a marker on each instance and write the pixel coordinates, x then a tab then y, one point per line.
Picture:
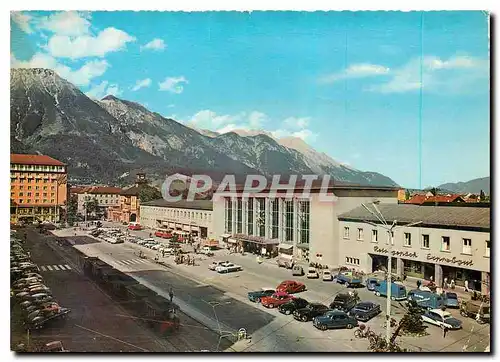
104	195
38	188
128	210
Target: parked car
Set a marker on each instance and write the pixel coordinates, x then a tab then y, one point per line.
312	273
309	312
349	279
215	264
276	299
371	283
293	305
365	311
327	276
228	268
291	286
206	251
451	300
334	319
442	319
257	295
297	270
398	291
426	300
285	262
344	301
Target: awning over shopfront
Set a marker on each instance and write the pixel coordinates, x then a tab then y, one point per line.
285	246
303	246
225	236
256	239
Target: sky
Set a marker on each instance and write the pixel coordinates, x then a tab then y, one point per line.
405	94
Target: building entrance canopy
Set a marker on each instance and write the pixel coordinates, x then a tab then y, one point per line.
256	239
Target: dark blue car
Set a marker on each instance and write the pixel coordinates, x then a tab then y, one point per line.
335	319
451	300
370	283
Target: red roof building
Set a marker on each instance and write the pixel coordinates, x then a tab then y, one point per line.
23	159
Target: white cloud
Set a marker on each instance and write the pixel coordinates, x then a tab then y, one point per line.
458	73
361	70
257	119
108	40
208	119
296	123
70	23
155	44
142	83
22	20
79	77
103	89
304	134
173	84
231	127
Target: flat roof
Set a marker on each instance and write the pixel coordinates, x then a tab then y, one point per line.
449	217
207	205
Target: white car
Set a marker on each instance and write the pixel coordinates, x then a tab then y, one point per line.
312	273
228	268
215	264
442	319
327	276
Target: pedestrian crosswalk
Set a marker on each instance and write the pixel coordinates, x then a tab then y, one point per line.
55	267
131	262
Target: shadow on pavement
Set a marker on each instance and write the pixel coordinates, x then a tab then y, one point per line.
229	311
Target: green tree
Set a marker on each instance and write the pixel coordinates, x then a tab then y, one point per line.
482	196
407	194
91	207
148	193
72	209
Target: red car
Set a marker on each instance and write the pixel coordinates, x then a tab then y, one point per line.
134	227
276	299
291	286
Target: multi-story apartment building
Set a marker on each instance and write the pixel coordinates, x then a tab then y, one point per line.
38	188
450	242
129	207
105	196
192	217
304	226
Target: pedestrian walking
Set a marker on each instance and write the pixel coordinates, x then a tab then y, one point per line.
404	277
171	294
445	330
445	282
419	283
452	284
466	285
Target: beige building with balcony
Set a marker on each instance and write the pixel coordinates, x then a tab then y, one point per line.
303	226
450	242
191	217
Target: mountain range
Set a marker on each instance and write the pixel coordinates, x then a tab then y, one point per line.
473	186
111	139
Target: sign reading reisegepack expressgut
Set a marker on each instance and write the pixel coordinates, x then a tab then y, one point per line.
396	252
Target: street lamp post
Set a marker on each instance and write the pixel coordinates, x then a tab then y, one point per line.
390	229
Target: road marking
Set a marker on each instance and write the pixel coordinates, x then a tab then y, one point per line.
61	266
55	267
135	261
43	268
126	262
49	267
67	266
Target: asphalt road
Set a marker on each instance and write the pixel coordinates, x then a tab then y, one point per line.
97	323
271	331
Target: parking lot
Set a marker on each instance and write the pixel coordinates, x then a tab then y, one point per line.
271	331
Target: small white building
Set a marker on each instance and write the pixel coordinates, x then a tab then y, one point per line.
194	217
450	242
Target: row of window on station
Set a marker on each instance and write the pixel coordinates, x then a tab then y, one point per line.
424	241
